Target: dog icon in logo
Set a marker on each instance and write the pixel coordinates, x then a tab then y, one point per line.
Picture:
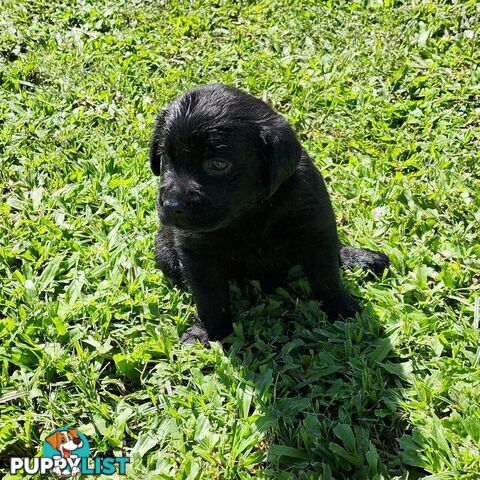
66	442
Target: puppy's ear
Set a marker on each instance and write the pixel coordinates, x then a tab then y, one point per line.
155	145
281	150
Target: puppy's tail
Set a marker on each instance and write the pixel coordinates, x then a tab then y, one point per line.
367	260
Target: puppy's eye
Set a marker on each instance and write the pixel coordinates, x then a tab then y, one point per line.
217	165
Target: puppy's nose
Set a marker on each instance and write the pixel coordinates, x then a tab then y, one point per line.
174	206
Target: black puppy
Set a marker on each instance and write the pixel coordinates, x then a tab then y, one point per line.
240	198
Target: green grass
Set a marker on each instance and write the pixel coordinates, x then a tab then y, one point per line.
386	98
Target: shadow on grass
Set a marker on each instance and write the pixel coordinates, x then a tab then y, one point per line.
291	396
327	395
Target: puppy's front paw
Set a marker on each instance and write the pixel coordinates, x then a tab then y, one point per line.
196	333
367	260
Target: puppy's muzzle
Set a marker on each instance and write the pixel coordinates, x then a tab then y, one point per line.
174	207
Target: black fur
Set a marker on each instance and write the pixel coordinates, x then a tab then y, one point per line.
263	213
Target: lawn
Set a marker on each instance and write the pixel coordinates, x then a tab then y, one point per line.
385	96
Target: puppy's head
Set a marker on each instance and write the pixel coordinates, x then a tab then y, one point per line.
219	151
